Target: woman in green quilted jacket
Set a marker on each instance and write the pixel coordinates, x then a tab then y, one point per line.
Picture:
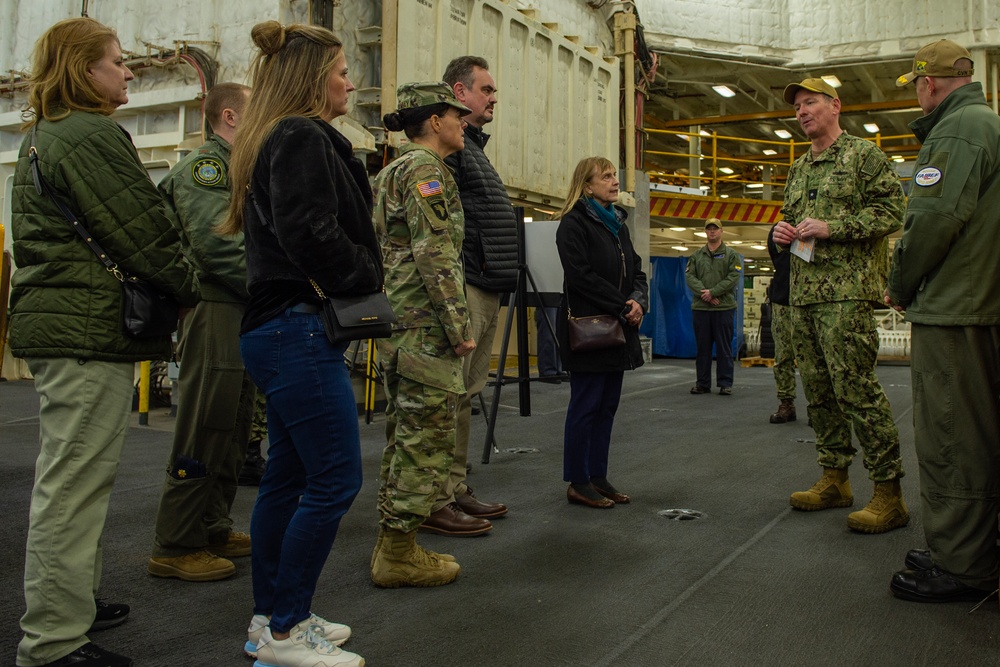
66	322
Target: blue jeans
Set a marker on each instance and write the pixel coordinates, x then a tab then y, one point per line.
593	402
314	461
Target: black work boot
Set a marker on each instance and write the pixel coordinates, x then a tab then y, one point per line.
253	466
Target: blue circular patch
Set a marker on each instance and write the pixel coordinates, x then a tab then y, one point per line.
208	172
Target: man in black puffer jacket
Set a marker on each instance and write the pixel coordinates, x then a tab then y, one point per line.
490	258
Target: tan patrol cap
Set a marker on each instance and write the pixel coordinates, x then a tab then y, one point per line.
815	85
713	221
937	59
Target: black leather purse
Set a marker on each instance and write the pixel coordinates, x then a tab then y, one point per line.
347	318
146	311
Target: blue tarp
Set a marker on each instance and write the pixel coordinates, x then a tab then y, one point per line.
668	321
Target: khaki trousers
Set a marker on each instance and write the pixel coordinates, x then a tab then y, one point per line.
83	417
484	313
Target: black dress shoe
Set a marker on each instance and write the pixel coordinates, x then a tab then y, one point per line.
918	559
91	655
109	614
933	585
452	521
590	499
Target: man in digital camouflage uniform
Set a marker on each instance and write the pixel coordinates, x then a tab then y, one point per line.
419	223
194	537
945	271
842	200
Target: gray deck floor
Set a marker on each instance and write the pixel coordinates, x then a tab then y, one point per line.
752	583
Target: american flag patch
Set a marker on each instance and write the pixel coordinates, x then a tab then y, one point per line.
429	188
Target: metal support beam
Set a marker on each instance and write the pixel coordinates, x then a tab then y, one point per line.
625	48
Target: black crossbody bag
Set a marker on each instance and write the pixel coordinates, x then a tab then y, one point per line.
347	318
146	311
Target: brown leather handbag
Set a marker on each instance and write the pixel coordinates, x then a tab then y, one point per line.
594	332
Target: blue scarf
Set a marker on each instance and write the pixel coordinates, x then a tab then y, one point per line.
605	215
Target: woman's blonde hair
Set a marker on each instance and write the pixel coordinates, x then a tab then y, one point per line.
287	78
59	82
585	170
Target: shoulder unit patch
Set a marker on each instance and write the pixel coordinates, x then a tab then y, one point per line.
208	171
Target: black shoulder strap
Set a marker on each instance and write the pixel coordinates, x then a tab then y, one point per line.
42	187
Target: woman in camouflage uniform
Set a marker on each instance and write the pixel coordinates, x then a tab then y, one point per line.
420	226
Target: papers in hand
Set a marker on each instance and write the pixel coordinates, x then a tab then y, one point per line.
803	249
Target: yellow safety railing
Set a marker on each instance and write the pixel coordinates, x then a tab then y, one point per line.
783	158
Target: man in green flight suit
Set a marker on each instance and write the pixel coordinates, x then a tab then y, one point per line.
945	271
842	200
194	537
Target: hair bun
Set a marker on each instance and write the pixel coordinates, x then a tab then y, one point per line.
393	121
269	37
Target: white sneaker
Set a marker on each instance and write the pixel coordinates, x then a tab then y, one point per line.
303	648
335	633
256	629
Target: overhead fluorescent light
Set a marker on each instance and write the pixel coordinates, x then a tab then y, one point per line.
770	151
765	268
726	170
529	219
871	127
701	234
755	186
704	187
898	158
832	80
736	243
678	229
723	196
679	248
759	247
725	91
783	134
705	133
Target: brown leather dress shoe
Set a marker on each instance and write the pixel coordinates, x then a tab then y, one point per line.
605	488
577	498
475	507
618	497
451	520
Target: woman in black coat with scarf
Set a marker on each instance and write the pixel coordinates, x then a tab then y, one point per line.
602	276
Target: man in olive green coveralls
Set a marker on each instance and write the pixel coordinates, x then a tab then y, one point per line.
945	271
194	536
842	200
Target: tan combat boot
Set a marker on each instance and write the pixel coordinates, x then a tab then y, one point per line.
785	413
378	545
885	512
832	490
400	562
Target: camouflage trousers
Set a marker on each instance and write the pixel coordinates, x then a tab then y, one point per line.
836	346
420	440
784	358
258	428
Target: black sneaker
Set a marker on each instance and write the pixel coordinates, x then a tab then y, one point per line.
91	655
725	391
109	615
698	389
